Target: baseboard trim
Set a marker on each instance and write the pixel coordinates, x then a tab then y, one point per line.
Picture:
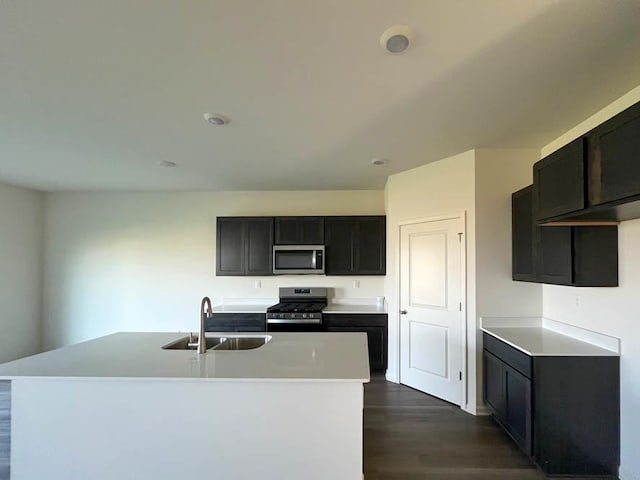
482	410
624	474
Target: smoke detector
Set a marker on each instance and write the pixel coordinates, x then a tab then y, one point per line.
397	39
216	119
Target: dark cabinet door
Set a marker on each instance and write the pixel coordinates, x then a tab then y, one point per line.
374	325
377	344
259	246
595	256
299	230
554	257
230	233
517	419
523	235
355	245
615	160
493	386
244	246
339	246
370	245
559	181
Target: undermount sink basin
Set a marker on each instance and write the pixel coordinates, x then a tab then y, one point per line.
243	343
191	343
229	342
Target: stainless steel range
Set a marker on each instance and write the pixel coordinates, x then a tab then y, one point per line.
299	309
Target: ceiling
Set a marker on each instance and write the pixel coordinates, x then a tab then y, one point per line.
94	94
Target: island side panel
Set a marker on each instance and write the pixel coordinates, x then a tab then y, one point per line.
5	429
160	429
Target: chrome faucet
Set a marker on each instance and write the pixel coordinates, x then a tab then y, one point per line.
205	311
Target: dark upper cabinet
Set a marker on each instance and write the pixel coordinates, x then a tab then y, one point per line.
355	245
230	251
614	162
299	230
559	181
594	179
561	255
244	246
523	225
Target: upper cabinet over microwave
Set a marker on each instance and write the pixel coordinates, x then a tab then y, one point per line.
299	231
594	179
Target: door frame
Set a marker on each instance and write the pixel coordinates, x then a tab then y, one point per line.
462	215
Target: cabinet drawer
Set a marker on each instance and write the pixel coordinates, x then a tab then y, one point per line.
238	322
509	355
354	319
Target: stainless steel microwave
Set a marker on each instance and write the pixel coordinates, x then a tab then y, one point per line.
298	259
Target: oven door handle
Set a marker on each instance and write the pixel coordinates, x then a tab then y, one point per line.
295	320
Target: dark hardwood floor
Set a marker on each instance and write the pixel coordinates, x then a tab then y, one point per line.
412	436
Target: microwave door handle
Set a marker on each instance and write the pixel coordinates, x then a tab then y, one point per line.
314	259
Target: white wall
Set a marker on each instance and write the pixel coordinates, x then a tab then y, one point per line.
21	220
438	188
613	311
499	173
480	183
142	261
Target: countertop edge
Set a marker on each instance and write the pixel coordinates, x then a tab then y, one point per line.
525	351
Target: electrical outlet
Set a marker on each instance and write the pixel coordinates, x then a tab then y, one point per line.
258	283
356	284
577	301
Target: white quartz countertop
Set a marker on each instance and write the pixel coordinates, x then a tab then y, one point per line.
539	340
287	357
239	308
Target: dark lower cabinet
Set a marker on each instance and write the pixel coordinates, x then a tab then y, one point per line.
564	412
244	246
236	322
561	255
375	326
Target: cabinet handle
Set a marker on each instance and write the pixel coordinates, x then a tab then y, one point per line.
403	312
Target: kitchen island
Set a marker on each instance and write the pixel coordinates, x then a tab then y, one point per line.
122	407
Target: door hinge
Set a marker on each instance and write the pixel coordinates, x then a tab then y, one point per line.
460	237
460	376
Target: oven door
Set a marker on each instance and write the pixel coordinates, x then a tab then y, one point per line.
298	259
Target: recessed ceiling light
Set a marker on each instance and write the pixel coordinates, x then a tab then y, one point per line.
216	119
397	39
379	161
167	163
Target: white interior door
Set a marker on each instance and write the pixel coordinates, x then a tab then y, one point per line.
431	301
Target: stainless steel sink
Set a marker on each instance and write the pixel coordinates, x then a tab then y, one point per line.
243	342
228	342
191	343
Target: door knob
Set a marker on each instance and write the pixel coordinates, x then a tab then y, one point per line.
403	312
